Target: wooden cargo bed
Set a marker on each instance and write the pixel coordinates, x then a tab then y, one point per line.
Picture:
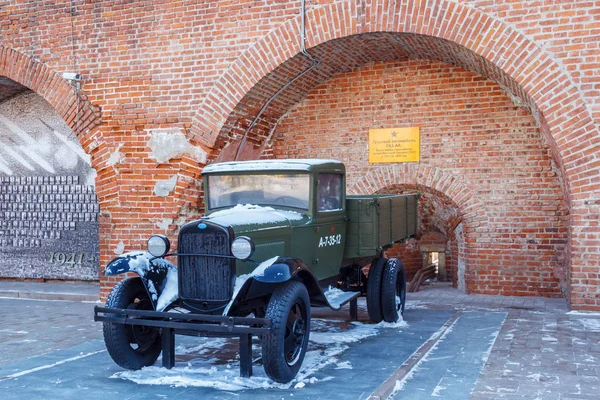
377	222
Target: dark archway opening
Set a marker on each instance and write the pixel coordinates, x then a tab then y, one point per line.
438	240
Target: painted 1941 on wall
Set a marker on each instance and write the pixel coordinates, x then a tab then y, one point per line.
48	205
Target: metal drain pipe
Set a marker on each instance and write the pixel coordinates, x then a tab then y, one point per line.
315	62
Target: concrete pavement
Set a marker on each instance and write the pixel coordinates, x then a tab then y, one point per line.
480	347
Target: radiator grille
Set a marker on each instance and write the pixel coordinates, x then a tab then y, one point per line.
205	278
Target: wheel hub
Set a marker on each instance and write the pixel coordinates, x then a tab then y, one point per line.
295	330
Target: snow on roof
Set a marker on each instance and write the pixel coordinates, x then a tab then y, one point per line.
300	164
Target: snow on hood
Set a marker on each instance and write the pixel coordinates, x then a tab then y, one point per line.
249	214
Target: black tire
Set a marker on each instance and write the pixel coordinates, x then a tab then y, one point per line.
393	290
374	289
131	346
284	349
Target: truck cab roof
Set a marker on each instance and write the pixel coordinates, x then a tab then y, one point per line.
288	165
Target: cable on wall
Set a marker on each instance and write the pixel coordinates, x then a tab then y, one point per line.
315	62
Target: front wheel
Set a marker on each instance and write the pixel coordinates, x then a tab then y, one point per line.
393	290
284	349
131	346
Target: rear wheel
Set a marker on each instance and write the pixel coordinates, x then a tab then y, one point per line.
393	290
374	289
284	349
131	346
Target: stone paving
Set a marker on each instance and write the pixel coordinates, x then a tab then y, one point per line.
53	290
31	328
541	352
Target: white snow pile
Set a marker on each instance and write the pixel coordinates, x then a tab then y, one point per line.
249	214
336	296
241	279
139	262
590	324
266	165
214	362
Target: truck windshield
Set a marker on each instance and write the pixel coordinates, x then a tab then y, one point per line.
287	190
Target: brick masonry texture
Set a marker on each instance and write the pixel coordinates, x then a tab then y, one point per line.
470	132
206	67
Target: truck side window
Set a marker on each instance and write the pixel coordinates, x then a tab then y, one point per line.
329	192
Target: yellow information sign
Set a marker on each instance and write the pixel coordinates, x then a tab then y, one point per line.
394	145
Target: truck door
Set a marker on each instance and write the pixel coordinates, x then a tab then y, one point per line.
330	224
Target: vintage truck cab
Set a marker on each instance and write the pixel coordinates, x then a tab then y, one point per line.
278	237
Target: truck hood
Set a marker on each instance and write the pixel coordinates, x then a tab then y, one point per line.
251	218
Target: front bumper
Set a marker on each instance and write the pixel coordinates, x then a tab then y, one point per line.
199	323
172	323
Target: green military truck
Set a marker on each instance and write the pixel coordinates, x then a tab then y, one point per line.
279	237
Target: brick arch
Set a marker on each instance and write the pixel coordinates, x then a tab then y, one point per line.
503	54
81	116
471	210
529	72
472	213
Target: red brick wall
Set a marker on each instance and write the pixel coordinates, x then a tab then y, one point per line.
470	129
206	67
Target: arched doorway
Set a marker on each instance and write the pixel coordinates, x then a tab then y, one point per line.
439	240
480	147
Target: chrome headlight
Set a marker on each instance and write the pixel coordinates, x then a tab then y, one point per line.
242	248
158	245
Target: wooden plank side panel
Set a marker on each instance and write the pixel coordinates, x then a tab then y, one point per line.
370	228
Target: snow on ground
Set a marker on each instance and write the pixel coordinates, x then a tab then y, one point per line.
590	324
214	362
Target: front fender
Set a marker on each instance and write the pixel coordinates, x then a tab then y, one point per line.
263	280
158	275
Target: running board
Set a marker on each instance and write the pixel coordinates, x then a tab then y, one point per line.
337	298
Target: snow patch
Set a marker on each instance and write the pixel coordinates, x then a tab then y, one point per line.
590	324
437	390
335	296
170	292
241	280
584	313
171	143
163	187
217	365
139	262
249	214
344	365
302	164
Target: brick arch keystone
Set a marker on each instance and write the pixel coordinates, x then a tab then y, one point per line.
70	104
